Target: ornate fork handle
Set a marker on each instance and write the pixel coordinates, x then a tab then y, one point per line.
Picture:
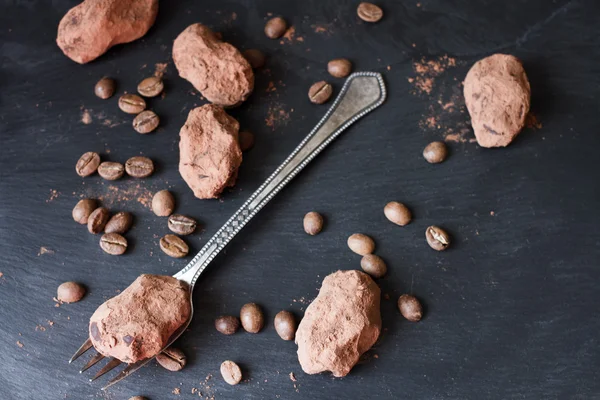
362	93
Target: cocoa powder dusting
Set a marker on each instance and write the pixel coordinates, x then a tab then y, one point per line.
86	117
114	195
53	195
446	113
277	116
160	69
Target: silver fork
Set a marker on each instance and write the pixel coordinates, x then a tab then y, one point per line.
361	93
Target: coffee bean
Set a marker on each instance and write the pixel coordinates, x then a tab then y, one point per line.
111	170
361	244
139	167
163	203
437	238
227	324
275	28
87	163
339	68
181	224
138	398
435	152
97	220
132	104
145	122
410	307
113	243
313	223
320	92
246	140
105	88
397	213
151	87
70	292
174	246
119	223
255	57
373	265
83	209
285	325
252	318
369	12
172	359
231	372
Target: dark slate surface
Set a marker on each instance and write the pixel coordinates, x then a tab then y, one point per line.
512	307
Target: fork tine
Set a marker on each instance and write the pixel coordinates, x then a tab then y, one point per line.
92	362
84	347
113	363
126	372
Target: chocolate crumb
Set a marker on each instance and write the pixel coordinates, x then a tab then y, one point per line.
293	377
19	344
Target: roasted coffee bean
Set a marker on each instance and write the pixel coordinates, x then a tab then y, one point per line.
132	104
151	87
320	92
369	12
172	359
105	88
275	28
174	246
70	292
255	57
119	223
361	244
138	398
285	325
397	213
113	243
313	223
139	167
97	220
163	203
373	265
246	140
339	68
252	318
231	372
87	163
227	324
181	224
110	170
145	122
435	152
437	238
83	209
410	307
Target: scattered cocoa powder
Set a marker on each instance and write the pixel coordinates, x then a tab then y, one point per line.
289	34
53	195
532	122
45	250
160	69
19	344
86	117
277	116
176	391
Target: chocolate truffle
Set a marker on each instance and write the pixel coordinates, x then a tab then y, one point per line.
89	29
138	323
497	95
339	325
215	68
209	151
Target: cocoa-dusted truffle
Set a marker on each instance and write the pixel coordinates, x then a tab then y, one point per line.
209	151
339	325
497	95
215	68
89	29
138	323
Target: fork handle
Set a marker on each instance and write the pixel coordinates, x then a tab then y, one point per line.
362	93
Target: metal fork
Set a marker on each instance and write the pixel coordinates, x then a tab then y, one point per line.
361	93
